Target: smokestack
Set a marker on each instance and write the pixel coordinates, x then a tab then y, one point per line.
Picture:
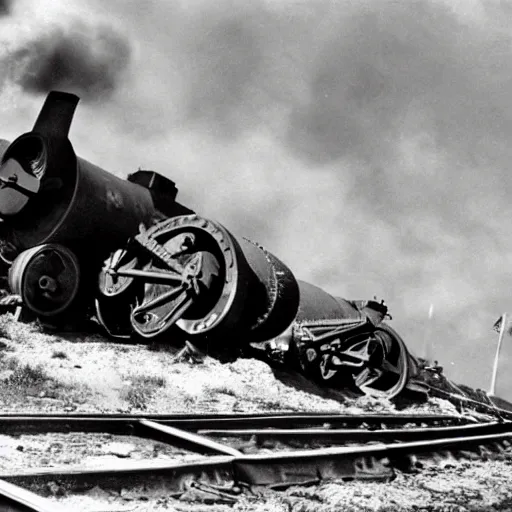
56	115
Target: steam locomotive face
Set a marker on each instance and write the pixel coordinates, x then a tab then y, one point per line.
185	276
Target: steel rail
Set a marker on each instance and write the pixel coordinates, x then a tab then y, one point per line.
183	439
174	476
284	468
17	424
359	435
278	468
348	462
16	499
201	441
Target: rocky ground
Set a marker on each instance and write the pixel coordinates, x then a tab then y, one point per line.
89	450
84	373
48	373
467	486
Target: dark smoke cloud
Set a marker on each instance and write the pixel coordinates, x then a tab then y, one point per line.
86	59
5	7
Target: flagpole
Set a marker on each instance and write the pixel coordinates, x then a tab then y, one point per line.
427	337
497	355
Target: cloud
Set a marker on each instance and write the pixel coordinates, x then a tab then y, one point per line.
73	55
5	7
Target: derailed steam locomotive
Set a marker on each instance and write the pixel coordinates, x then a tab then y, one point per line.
80	242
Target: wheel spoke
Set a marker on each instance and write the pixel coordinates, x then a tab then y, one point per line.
158	301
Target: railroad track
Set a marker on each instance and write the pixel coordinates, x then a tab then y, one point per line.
233	452
13	424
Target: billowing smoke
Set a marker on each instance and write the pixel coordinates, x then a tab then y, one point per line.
366	143
5	7
87	59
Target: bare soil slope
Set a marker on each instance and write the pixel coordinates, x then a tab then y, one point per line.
42	372
48	373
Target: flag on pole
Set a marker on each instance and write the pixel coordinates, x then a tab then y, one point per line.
497	325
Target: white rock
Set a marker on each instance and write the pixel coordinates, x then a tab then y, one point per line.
118	449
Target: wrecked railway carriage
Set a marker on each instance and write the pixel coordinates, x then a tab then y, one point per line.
79	242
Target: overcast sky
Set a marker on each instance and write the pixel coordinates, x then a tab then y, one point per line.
368	144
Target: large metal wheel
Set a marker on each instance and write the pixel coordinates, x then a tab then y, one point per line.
118	294
383	373
183	279
162	279
47	278
391	378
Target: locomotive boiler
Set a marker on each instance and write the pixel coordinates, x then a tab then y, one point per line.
80	242
62	215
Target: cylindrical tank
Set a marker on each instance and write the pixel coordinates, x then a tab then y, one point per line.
316	304
243	291
69	200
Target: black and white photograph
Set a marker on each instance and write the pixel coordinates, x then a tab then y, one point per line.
255	255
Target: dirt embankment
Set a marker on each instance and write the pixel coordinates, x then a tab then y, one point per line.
47	373
91	374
